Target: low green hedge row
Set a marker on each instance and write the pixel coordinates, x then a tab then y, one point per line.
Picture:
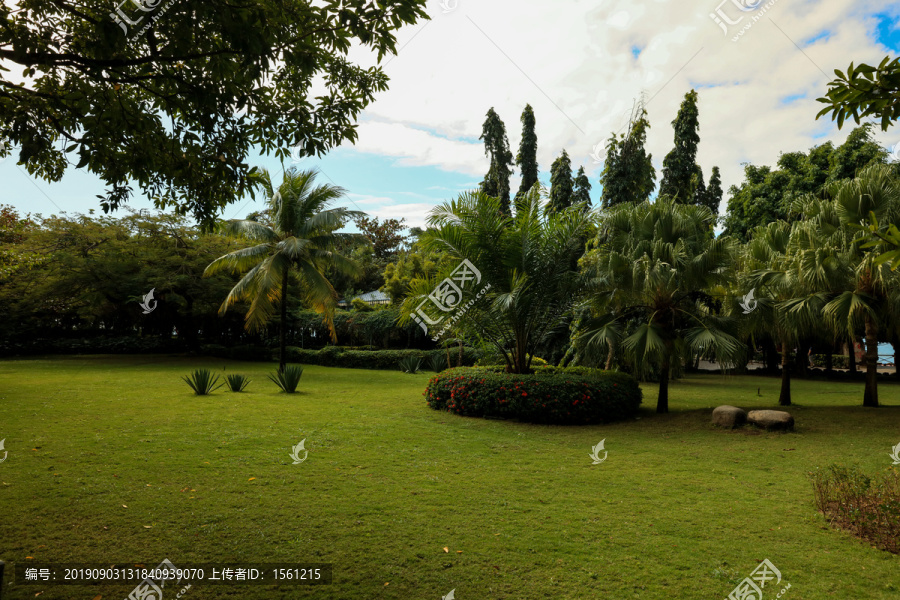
335	356
550	395
837	361
96	345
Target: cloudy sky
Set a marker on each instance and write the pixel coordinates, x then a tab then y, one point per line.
580	64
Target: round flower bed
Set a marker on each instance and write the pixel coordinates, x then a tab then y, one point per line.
550	395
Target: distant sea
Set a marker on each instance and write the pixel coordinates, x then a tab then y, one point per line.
885	353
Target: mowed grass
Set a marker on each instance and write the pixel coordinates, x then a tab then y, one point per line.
678	510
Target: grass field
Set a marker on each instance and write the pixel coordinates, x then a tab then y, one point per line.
112	459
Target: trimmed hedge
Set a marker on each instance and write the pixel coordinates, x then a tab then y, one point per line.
837	361
551	395
96	345
336	356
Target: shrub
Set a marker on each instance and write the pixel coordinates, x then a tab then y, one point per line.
249	352
237	383
437	361
868	507
361	305
837	361
410	364
554	397
215	350
202	382
289	379
335	356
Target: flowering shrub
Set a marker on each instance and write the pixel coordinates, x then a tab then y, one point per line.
561	398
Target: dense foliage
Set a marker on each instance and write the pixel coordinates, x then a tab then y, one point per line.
869	507
548	397
174	100
496	148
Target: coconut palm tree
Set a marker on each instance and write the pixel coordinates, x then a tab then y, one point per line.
301	239
652	268
529	261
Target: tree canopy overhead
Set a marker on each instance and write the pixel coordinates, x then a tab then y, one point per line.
865	91
174	100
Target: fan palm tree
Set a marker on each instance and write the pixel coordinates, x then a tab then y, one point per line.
301	239
869	297
772	265
652	266
529	261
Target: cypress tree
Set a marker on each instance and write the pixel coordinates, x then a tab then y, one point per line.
628	174
679	166
526	159
496	147
561	185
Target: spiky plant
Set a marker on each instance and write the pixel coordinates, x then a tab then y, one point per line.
202	381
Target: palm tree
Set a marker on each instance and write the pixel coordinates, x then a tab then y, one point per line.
530	262
301	239
652	266
869	297
771	257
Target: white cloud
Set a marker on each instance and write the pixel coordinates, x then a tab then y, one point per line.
573	62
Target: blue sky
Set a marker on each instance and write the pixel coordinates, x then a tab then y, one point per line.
580	65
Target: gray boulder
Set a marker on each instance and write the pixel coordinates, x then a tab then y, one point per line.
729	416
773	420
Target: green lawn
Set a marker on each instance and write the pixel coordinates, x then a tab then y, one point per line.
678	510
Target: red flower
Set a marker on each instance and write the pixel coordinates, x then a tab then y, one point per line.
524	393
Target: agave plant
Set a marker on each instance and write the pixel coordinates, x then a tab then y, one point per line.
287	379
236	382
203	382
410	364
437	362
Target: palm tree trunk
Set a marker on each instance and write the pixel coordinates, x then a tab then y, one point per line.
609	357
662	402
784	399
896	346
283	340
459	360
870	398
852	355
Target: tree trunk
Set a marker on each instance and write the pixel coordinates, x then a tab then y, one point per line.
662	403
609	357
870	398
896	346
852	355
459	360
784	399
283	340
